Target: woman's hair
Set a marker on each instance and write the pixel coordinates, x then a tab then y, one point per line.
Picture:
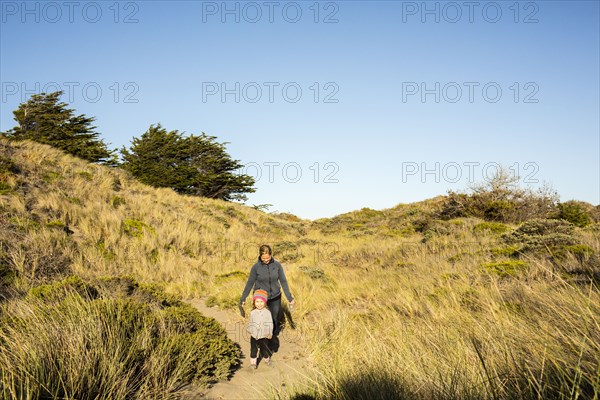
265	249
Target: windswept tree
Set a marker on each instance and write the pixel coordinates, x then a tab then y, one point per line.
45	119
194	165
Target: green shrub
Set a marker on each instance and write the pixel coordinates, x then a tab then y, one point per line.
456	205
186	319
314	273
55	224
108	348
540	227
500	199
135	228
576	212
59	290
498	210
550	243
508	251
494	227
542	235
505	268
286	251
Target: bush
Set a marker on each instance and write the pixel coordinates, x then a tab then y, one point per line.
494	227
57	343
542	235
505	268
135	228
314	273
555	241
576	212
286	251
540	227
508	251
59	290
500	200
498	210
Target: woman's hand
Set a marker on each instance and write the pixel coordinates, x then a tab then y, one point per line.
292	304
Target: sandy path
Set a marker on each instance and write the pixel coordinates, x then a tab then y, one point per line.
289	366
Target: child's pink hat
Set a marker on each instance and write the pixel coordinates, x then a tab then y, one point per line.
260	294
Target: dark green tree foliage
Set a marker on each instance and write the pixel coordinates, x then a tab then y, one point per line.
194	165
576	212
44	119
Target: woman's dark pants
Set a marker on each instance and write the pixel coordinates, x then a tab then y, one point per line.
274	306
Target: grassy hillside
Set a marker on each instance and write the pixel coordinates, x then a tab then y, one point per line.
391	304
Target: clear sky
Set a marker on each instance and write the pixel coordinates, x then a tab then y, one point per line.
333	105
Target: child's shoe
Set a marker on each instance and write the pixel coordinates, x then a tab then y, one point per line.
253	364
267	361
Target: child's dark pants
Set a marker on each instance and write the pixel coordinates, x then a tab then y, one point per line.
262	344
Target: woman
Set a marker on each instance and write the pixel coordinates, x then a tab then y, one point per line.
267	274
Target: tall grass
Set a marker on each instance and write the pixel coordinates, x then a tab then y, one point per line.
397	336
59	344
390	304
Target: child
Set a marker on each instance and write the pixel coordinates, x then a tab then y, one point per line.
260	328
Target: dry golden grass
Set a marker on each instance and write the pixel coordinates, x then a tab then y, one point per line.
385	312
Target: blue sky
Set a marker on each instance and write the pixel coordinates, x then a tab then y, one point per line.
333	106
